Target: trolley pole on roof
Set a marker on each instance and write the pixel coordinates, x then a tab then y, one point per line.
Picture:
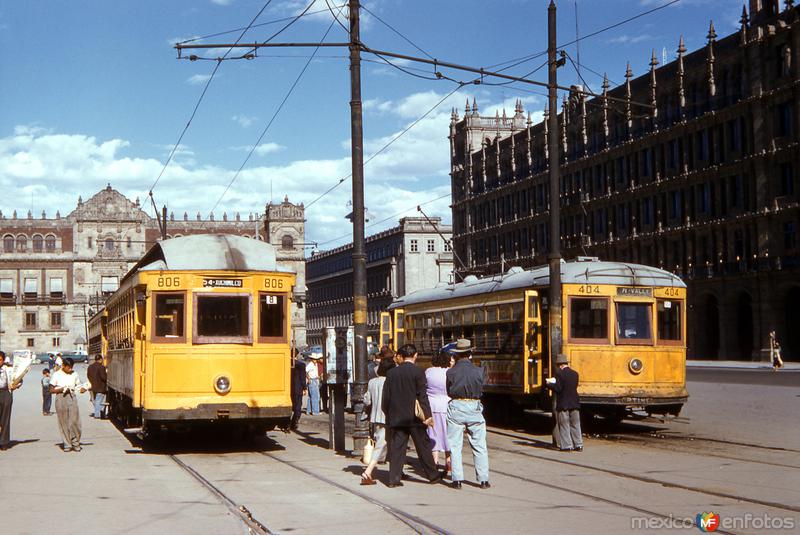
554	312
361	432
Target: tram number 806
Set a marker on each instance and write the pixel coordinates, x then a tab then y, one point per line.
273	284
169	282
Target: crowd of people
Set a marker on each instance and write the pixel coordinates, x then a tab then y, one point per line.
59	380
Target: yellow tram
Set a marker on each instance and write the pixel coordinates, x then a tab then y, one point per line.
198	332
624	331
98	335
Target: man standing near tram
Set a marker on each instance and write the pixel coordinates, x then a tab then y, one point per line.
465	412
567	409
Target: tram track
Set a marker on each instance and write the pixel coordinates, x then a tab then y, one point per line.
252	525
416	523
643	479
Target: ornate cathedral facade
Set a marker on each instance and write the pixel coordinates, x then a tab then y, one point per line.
56	271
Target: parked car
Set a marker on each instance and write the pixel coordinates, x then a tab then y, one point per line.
76	357
314	352
43	358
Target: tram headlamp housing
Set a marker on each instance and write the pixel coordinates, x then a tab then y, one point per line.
635	366
222	385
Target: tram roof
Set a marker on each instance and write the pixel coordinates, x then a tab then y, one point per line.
573	272
215	252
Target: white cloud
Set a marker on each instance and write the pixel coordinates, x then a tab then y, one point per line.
630	39
222	2
263	149
245	121
198	79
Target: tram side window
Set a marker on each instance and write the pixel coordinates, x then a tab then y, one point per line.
669	320
223	316
272	311
588	319
169	315
633	322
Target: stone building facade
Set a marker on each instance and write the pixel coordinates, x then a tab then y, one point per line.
409	257
55	272
702	181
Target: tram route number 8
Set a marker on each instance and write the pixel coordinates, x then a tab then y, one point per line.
273	284
168	282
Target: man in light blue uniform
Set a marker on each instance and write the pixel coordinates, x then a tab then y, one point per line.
465	412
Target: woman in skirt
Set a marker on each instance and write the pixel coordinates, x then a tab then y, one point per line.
436	376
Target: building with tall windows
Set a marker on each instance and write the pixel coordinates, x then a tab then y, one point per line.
409	257
701	181
56	271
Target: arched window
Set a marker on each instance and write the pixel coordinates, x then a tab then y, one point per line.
38	243
287	242
8	243
109	244
22	243
50	243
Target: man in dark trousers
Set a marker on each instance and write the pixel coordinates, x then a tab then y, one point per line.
568	416
405	386
465	413
6	401
298	383
98	378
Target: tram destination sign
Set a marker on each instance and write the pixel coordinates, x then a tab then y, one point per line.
222	283
634	292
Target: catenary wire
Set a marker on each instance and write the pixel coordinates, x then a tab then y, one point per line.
197	105
267	23
395	30
522	59
336	17
272	119
387	145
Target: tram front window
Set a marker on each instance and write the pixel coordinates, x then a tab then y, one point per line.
169	315
271	325
588	319
223	316
633	322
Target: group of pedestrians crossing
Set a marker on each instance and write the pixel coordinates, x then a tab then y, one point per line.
64	384
436	407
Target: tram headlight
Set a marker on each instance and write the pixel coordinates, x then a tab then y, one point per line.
635	366
222	385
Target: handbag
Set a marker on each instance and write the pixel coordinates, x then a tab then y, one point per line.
418	412
369	447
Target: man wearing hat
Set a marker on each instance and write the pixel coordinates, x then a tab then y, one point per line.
465	412
568	416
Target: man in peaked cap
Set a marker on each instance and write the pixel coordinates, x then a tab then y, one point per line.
568	417
465	412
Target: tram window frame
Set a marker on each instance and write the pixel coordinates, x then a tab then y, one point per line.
673	303
606	340
165	339
633	341
200	339
284	325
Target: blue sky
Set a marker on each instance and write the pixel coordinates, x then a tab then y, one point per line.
91	92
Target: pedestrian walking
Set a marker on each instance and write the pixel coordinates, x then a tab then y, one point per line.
775	352
51	361
298	386
66	384
7	386
436	377
98	379
312	380
404	389
465	413
47	397
374	399
59	361
568	417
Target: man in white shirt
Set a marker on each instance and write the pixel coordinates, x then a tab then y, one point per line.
6	400
59	362
65	383
312	379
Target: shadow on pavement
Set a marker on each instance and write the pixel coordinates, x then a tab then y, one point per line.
311	439
12	443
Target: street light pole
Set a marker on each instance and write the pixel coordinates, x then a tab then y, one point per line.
554	307
361	432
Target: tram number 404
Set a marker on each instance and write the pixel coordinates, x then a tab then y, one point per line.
588	289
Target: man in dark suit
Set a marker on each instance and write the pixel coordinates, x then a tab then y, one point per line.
298	386
568	416
405	385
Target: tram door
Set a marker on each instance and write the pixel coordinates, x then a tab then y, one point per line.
533	342
399	328
386	330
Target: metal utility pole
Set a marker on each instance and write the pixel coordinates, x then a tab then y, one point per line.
361	432
164	221
554	312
